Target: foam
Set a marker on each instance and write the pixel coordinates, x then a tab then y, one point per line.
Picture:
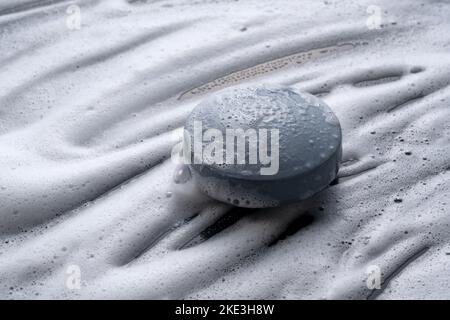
86	122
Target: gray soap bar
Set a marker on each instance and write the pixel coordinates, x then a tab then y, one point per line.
292	145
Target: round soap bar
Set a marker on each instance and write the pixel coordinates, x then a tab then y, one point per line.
262	146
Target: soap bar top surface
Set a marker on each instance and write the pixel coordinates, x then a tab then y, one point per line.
309	133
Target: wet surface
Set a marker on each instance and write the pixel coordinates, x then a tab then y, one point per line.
88	119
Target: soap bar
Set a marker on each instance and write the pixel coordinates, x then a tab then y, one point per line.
262	146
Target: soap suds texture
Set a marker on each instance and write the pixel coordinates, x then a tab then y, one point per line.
88	119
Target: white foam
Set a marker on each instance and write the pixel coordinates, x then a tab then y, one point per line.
86	119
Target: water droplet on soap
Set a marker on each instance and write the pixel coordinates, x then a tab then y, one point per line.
182	174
